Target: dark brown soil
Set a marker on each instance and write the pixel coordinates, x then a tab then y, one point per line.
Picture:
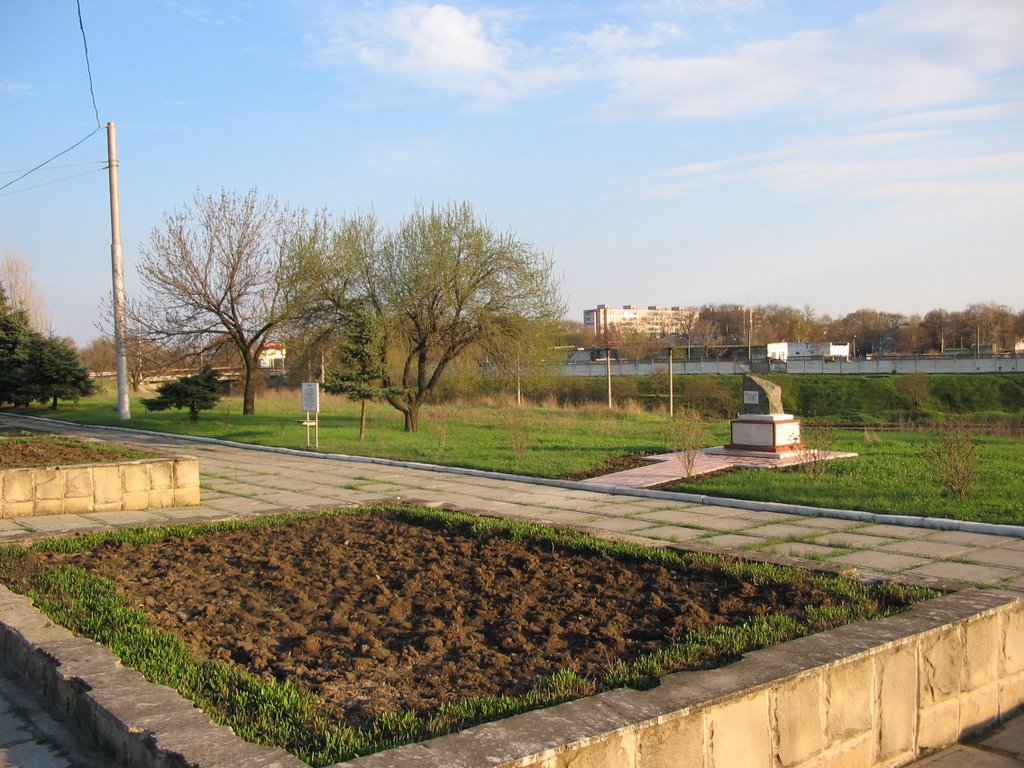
23	449
377	614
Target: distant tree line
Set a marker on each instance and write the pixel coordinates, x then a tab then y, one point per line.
990	327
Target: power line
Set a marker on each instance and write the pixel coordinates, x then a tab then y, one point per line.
92	95
53	167
95	130
88	67
54	181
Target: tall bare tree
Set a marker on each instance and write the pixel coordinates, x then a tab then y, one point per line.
212	277
17	281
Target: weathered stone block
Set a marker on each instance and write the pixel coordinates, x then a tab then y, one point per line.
135	477
18	508
186	497
19	486
941	666
617	750
797	720
107	489
48	506
135	500
161	475
939	725
1011	659
850	754
49	484
761	396
738	732
979	707
76	505
78	482
895	674
1011	693
849	700
982	648
161	499
676	742
186	473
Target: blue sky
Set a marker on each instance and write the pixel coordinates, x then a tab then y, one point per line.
674	152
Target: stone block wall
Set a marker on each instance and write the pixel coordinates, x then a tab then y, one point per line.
140	484
871	695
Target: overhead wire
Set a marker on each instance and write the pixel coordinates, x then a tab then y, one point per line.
88	66
96	112
53	181
47	162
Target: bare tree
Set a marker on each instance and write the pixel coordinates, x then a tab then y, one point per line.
17	281
212	277
707	336
98	355
686	436
954	458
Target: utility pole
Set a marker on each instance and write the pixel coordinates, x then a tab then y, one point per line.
117	267
671	387
608	373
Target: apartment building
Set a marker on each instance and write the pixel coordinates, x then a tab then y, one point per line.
653	321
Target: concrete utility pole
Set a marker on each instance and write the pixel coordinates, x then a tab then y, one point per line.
608	373
671	387
117	267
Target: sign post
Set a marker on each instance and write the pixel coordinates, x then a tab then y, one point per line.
311	405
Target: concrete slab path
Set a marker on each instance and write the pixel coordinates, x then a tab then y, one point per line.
246	481
669	467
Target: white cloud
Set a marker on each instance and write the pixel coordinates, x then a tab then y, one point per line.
609	39
913	180
198	14
445	48
7	88
908	54
652	63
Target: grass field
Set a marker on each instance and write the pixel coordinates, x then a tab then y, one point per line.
891	474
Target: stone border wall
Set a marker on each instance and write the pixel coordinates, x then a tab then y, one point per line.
871	694
877	693
106	487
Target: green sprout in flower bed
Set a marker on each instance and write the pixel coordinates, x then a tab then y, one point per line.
274	710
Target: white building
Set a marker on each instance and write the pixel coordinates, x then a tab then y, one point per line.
653	321
272	356
808	350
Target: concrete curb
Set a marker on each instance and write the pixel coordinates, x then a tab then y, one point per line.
934	523
139	723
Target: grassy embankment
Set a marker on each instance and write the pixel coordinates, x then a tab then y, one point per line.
891	474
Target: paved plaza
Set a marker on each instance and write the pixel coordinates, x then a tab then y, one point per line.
240	481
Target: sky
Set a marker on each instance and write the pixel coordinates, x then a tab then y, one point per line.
840	154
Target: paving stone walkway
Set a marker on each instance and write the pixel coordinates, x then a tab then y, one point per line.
669	467
240	481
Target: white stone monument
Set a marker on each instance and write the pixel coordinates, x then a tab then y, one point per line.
763	428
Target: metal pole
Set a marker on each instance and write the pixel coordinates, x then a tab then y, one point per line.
117	267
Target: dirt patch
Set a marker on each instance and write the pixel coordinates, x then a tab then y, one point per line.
19	449
377	614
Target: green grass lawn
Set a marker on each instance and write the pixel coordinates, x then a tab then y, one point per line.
889	476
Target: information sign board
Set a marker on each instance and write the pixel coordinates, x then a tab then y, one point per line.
311	397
